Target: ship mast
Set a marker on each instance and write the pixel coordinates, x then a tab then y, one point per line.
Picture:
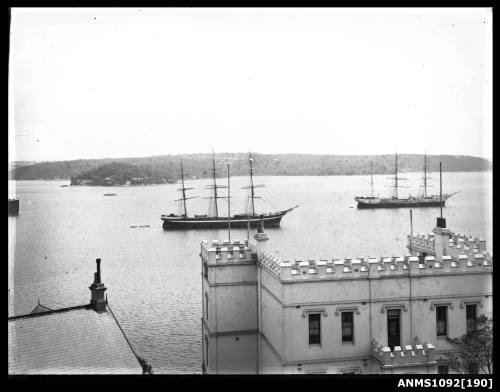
183	190
252	186
425	174
396	177
371	176
214	187
228	205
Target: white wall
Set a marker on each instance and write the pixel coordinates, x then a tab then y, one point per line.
328	295
236	354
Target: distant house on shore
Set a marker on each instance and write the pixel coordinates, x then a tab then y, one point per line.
84	339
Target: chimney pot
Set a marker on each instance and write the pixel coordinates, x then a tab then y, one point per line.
98	262
441	222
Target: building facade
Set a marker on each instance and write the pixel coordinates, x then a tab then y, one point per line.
374	315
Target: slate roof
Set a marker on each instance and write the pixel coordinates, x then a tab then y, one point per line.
75	340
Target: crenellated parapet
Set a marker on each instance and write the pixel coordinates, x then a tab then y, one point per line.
458	244
372	267
406	355
462	240
423	242
464	254
461	244
227	252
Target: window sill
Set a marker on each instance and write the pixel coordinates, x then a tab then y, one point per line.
348	343
315	345
442	337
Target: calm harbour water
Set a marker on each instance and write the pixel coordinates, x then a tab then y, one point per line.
154	276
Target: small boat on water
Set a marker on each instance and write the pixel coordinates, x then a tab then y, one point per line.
110	194
397	202
214	221
13	206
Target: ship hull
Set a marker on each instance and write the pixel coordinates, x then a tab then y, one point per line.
173	223
13	206
399	203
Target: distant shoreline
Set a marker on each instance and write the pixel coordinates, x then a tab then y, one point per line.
255	175
167	167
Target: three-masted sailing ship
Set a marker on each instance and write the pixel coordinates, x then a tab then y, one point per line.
395	201
214	221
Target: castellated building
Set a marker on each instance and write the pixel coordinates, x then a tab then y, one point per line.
374	315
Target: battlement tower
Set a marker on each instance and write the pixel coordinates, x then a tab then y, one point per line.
229	295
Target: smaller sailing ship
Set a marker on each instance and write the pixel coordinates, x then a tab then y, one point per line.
109	194
397	202
214	220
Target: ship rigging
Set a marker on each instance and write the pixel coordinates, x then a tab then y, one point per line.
397	202
213	219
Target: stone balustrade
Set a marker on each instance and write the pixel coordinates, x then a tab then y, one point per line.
404	355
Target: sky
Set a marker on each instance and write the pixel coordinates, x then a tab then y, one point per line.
133	82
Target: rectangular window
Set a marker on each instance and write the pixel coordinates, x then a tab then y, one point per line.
347	327
443	369
393	328
314	328
471	315
441	322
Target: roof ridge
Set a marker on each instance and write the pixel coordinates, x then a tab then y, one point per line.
29	315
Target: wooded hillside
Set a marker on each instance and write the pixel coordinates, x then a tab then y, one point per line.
198	165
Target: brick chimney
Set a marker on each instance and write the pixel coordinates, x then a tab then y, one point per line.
97	290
